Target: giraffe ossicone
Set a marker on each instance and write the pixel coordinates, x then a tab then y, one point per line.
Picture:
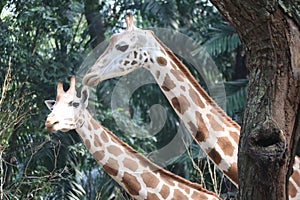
141	178
215	132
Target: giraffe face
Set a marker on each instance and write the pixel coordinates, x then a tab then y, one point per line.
66	111
126	52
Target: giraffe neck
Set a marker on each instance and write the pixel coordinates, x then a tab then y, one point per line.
136	174
216	133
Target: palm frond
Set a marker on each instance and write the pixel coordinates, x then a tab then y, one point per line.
164	11
236	93
223	38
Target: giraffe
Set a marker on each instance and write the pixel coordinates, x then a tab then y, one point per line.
141	178
216	133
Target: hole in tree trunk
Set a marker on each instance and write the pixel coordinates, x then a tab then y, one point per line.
267	140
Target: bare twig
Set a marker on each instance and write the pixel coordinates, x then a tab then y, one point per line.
212	173
195	165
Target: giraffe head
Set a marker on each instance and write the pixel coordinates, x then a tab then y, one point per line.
126	52
67	111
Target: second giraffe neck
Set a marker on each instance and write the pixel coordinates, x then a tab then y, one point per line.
216	133
136	174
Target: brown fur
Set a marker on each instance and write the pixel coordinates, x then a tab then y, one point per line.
190	77
164	173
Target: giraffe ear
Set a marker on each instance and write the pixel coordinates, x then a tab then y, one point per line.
84	96
50	104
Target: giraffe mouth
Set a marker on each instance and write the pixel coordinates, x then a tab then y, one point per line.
91	79
50	127
55	126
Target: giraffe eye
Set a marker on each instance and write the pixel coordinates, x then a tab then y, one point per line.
122	47
74	104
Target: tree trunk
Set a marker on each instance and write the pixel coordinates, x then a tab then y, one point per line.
95	21
271	122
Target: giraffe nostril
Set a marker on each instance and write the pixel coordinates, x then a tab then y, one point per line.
50	123
51	126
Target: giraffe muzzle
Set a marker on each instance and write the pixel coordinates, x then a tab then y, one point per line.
91	79
50	126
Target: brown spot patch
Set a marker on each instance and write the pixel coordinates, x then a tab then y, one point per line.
111	167
201	131
226	146
215	156
180	103
87	144
178	195
97	142
152	196
89	127
182	88
170	182
161	61
104	137
135	54
292	190
235	136
174	66
126	62
192	128
186	189
195	97
213	123
165	191
168	84
114	150
130	164
178	75
198	195
131	184
227	121
157	74
232	172
296	177
94	124
150	180
99	155
133	62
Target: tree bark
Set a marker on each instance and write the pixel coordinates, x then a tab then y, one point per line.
95	21
271	122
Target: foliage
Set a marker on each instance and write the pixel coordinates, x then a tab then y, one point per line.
223	38
46	41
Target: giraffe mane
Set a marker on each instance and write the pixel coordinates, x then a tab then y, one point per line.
188	74
155	167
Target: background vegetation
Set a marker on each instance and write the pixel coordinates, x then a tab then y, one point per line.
46	41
